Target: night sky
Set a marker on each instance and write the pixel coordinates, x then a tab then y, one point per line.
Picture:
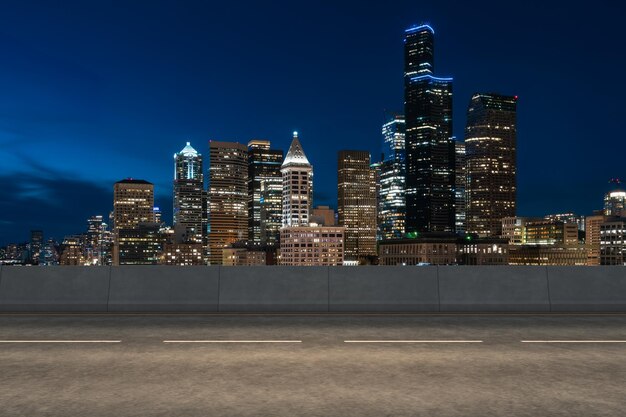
93	92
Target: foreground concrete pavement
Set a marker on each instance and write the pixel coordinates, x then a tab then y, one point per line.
487	371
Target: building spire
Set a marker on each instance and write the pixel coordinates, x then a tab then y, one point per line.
295	155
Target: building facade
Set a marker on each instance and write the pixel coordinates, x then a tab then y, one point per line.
265	186
228	197
613	241
190	202
356	208
459	187
323	216
430	166
444	249
392	180
490	147
297	194
311	246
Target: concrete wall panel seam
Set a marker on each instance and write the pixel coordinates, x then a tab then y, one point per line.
548	287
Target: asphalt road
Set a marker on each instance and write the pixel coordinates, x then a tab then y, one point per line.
312	365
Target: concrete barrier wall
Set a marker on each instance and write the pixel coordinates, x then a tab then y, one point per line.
493	288
273	288
78	288
374	288
313	289
171	288
600	288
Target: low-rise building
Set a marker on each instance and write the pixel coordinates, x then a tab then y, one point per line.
563	255
311	246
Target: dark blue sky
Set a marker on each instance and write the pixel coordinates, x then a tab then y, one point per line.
93	92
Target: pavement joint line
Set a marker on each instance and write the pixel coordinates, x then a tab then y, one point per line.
60	341
573	341
232	341
413	341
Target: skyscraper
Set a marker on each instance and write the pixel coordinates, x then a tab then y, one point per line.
392	179
297	192
615	202
302	244
265	187
133	203
36	244
430	167
133	208
228	196
356	208
459	188
490	147
190	205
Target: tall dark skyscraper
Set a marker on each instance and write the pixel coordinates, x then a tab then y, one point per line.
490	147
190	207
430	166
265	192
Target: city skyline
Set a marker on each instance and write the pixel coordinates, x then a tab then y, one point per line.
34	181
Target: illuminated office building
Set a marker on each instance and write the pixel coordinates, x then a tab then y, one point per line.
356	208
459	188
613	241
228	196
615	203
133	203
430	166
490	148
190	203
391	191
265	188
323	216
592	236
133	207
297	193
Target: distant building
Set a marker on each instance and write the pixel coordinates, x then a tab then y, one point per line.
36	244
302	243
392	180
265	186
613	241
311	246
459	188
549	255
323	216
133	204
444	249
430	166
490	147
142	245
228	196
615	203
243	257
72	251
539	231
183	254
356	208
593	237
297	193
190	200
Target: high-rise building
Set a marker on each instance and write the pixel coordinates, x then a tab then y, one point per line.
190	202
430	166
72	251
141	245
613	241
615	203
593	225
36	244
133	207
490	147
392	179
297	192
228	196
265	189
94	244
356	208
303	244
133	203
459	188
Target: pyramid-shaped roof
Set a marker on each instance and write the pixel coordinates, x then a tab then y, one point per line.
188	150
295	156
